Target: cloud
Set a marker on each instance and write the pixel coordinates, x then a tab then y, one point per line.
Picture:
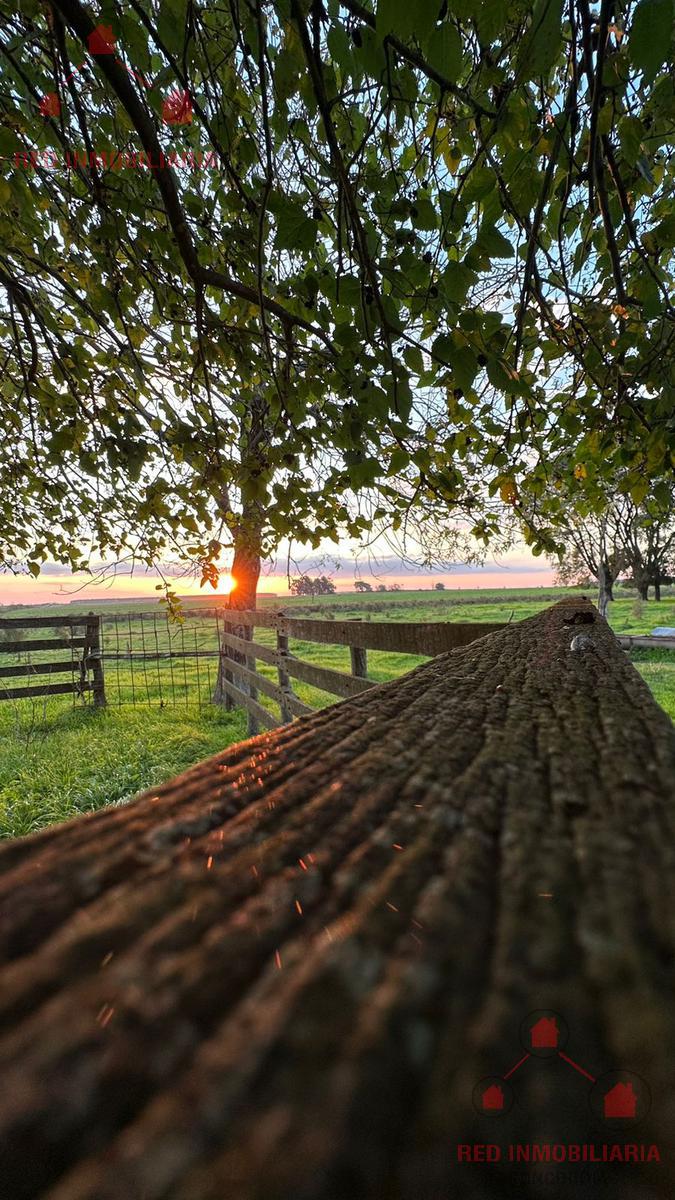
342	568
125	570
339	566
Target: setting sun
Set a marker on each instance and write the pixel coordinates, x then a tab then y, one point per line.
226	584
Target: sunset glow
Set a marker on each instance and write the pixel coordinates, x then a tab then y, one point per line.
226	584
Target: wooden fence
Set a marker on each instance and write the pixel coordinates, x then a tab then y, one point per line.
84	664
298	969
645	642
243	682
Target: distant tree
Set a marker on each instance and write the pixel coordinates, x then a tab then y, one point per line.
325	586
362	586
594	546
638	538
649	539
571	571
306	585
300	586
439	587
381	587
395	587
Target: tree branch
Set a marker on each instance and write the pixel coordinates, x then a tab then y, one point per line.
82	25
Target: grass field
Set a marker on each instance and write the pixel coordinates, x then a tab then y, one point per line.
58	759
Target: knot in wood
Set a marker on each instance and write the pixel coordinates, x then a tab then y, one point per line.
580	618
581	642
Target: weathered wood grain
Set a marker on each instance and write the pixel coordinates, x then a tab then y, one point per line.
244	700
335	682
627	641
43	689
59	643
265	653
404	637
45	668
53	622
282	974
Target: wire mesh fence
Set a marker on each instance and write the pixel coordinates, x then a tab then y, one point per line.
148	659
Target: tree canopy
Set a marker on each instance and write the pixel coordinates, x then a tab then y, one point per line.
326	262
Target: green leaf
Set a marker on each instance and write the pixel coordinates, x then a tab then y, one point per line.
8	142
444	51
286	71
399	461
491	19
631	133
339	45
541	43
295	230
413	359
404	18
481	181
493	243
395	16
463	365
369	54
456	281
424	215
650	35
639	489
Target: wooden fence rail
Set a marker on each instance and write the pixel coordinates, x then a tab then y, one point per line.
429	638
300	969
645	642
86	670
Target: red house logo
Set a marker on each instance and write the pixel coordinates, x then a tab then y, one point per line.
101	40
493	1098
544	1034
50	105
177	108
620	1101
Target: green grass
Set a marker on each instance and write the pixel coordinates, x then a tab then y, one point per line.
58	759
77	760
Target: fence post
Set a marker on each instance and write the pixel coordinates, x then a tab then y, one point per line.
91	657
284	677
253	726
359	658
220	695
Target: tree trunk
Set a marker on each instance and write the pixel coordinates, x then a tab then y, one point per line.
292	972
254	437
641	581
657	587
245	573
605	593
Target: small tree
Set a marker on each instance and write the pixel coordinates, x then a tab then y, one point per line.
649	537
595	547
381	587
306	585
362	586
629	535
324	586
439	587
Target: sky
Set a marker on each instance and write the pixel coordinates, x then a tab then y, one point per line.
57	585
